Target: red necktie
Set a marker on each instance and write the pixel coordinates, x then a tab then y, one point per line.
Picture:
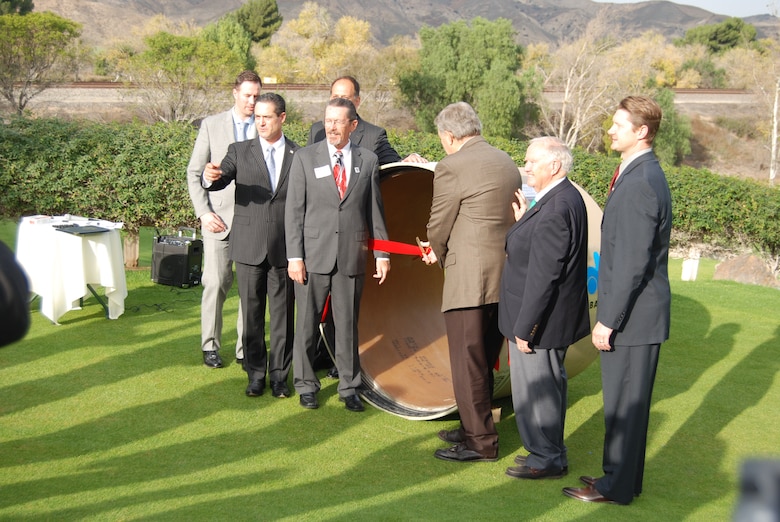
340	175
614	177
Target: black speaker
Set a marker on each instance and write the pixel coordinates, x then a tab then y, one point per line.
177	261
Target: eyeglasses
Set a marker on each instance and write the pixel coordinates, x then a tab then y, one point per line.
340	123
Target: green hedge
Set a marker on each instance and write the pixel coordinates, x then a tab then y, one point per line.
136	173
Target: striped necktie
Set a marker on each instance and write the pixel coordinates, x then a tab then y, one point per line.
339	174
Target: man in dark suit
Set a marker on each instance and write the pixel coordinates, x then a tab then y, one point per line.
215	212
260	169
366	135
471	211
14	298
543	307
634	300
334	207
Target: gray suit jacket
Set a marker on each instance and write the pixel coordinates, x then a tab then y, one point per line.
323	229
258	220
366	135
473	190
215	134
634	294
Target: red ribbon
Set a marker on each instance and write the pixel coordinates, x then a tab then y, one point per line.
394	247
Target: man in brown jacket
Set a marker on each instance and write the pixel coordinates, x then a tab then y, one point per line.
473	190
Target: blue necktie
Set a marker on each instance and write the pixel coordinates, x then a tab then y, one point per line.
271	164
243	131
531	204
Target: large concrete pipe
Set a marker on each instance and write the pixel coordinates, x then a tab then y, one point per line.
403	341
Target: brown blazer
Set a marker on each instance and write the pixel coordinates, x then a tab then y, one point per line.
473	190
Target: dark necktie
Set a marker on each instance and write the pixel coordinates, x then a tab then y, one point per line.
614	178
339	174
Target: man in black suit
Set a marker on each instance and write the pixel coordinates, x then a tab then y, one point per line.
543	306
260	168
634	300
365	135
14	298
334	206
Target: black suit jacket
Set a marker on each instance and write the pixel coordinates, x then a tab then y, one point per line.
257	231
14	298
544	297
366	135
634	294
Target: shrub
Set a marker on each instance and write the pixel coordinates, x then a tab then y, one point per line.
136	173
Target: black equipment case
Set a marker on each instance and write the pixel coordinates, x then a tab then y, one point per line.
177	260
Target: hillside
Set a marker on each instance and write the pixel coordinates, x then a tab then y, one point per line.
535	20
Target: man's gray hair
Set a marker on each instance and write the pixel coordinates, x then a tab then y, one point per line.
556	149
459	119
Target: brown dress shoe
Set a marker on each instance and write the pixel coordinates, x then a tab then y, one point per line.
587	494
588	480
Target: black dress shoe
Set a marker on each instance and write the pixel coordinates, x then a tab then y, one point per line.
255	388
588	480
520	461
211	359
352	403
333	373
279	389
309	401
524	472
452	436
587	494
461	453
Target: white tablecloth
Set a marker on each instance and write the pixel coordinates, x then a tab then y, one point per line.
60	265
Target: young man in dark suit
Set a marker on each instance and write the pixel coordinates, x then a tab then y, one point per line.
334	207
543	307
260	168
634	300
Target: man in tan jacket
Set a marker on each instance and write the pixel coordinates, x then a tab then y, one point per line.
473	190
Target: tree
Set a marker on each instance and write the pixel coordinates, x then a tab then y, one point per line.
673	141
16	7
181	78
228	32
260	18
733	32
31	48
476	63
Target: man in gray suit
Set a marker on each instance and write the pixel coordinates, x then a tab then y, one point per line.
471	211
215	211
334	207
257	241
366	136
634	300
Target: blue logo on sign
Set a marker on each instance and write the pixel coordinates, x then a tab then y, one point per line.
593	274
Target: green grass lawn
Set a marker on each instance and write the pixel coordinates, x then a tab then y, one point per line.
119	420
